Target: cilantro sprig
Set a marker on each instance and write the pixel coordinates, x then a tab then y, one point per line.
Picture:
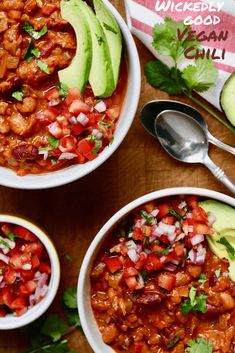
34	34
198	77
47	333
31	52
63	90
194	302
199	345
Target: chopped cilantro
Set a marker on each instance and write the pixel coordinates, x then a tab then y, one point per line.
202	278
53	161
31	31
194	303
230	249
31	52
146	216
163	251
111	141
109	28
144	274
18	95
173	342
63	90
70	298
53	141
11	236
218	273
43	66
199	345
175	214
4	243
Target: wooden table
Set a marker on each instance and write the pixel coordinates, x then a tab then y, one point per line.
72	214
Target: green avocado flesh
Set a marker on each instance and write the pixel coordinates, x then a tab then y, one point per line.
77	73
227	99
224	226
101	74
113	35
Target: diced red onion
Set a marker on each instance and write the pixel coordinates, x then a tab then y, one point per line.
138	248
130	244
147	251
192	256
158	231
190	229
4	249
73	120
1	278
189	215
100	107
53	102
115	248
177	224
171	237
170	267
26	267
180	237
182	205
201	255
154	212
175	262
98	134
140	280
152	238
4	258
211	219
163	259
138	223
10	243
167	227
67	155
3	284
133	255
82	119
44	153
185	229
197	239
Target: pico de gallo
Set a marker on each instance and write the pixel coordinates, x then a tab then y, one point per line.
43	125
156	286
24	270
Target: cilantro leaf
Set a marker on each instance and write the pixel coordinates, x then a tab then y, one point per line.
54	327
43	66
202	278
31	31
166	40
173	342
144	274
31	52
53	141
18	95
109	28
161	76
218	273
73	317
70	298
199	345
11	236
175	214
63	90
163	252
229	248
148	218
194	303
201	76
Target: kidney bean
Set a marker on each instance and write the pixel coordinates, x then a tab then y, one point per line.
24	152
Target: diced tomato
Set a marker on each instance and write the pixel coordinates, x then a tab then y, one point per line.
199	215
152	263
113	263
44	267
35	261
24	233
156	247
129	272
166	281
85	148
20	312
138	346
78	106
47	9
77	128
6	296
128	263
55	129
94	118
18	303
168	220
192	201
63	121
147	230
25	289
18	260
139	265
149	207
164	239
33	248
67	144
9	275
164	209
137	234
52	94
199	228
27	275
179	250
131	282
73	94
114	112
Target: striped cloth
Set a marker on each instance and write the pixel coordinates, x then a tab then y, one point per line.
142	16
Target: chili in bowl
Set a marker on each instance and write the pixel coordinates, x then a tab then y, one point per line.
52	132
30	272
153	279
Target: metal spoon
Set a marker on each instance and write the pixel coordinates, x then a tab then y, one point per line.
153	108
184	139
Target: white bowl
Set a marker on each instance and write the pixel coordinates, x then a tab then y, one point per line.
10	321
88	321
41	181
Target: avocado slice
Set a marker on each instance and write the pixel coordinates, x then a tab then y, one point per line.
227	99
101	74
113	35
77	73
224	226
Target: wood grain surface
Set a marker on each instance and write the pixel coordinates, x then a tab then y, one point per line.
73	214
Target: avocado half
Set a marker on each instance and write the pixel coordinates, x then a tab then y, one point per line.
227	99
77	73
224	226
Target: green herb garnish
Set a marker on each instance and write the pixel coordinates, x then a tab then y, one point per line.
144	274
163	251
31	52
18	95
146	216
194	303
174	213
199	345
43	66
109	28
202	278
34	34
173	342
229	248
53	141
63	90
218	273
4	243
11	236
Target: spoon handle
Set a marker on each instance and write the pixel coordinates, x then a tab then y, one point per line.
220	144
219	174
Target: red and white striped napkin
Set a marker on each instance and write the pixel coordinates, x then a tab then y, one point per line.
142	16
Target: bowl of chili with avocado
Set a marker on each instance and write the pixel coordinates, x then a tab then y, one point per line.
150	282
30	272
51	131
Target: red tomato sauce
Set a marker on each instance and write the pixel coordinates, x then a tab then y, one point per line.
32	108
25	270
157	287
